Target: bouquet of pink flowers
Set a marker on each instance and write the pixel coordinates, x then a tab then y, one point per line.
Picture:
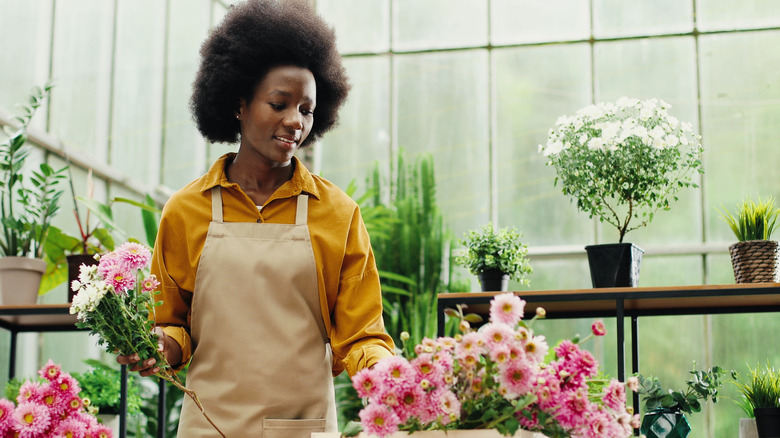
114	300
502	377
49	408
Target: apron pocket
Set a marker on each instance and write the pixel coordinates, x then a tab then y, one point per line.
279	428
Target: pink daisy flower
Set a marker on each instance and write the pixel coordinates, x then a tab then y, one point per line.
120	278
448	404
377	420
54	400
516	378
70	428
366	382
507	309
150	284
598	328
615	396
50	371
106	263
499	354
29	392
496	334
6	415
395	370
31	420
536	348
67	385
469	343
98	431
134	255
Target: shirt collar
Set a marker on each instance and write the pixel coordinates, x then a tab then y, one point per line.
302	180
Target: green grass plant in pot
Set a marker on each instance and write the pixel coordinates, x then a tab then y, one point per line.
29	199
761	399
622	162
755	257
665	409
495	256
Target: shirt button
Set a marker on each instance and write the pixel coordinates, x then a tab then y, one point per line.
260	221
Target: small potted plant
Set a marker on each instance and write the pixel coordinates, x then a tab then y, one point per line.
761	400
665	410
26	210
622	162
755	258
495	256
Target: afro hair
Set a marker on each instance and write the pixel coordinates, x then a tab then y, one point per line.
254	37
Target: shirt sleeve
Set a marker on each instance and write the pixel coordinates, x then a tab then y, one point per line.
358	335
173	314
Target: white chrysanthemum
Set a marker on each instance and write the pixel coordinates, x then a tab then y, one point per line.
87	273
657	133
591	111
596	143
553	148
609	130
671	140
626	102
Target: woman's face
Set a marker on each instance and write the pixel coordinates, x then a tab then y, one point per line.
280	115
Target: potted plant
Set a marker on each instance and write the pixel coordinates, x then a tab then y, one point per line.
622	162
755	258
26	210
761	400
665	410
495	256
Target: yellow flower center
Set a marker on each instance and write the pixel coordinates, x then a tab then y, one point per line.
49	399
425	368
29	418
507	308
379	421
396	373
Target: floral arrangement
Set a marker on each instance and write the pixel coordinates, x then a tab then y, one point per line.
114	300
51	407
496	249
623	161
502	376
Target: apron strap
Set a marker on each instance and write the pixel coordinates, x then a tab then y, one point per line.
216	204
302	211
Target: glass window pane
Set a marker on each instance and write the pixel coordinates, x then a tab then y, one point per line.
740	94
736	14
442	103
533	87
138	86
362	26
616	18
363	135
424	25
82	68
25	30
529	21
184	149
663	68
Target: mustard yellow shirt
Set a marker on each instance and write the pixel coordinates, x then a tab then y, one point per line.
349	288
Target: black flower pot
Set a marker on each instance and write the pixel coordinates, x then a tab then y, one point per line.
614	264
74	264
767	422
493	280
665	424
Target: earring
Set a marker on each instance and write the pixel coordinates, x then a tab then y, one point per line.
238	116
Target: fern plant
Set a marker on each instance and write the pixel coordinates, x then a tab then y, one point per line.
26	210
755	220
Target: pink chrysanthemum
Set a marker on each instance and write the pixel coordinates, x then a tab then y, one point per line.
536	348
74	403
50	371
470	343
395	370
54	400
150	283
134	255
107	263
70	428
29	392
499	353
496	334
615	396
377	420
67	385
412	401
6	415
507	309
598	328
448	404
366	382
99	431
31	420
516	378
120	278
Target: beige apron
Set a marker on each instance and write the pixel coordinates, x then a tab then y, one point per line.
261	361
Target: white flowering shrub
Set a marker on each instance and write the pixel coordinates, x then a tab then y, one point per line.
623	161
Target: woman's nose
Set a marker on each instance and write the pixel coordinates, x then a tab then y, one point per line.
294	120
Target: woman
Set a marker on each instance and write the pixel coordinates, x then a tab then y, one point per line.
266	268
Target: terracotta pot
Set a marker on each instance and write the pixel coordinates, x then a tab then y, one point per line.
20	279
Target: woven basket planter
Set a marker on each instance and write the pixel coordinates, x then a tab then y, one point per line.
756	261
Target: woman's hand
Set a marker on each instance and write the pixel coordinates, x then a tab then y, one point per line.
166	345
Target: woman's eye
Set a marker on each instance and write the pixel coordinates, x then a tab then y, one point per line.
276	106
307	112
